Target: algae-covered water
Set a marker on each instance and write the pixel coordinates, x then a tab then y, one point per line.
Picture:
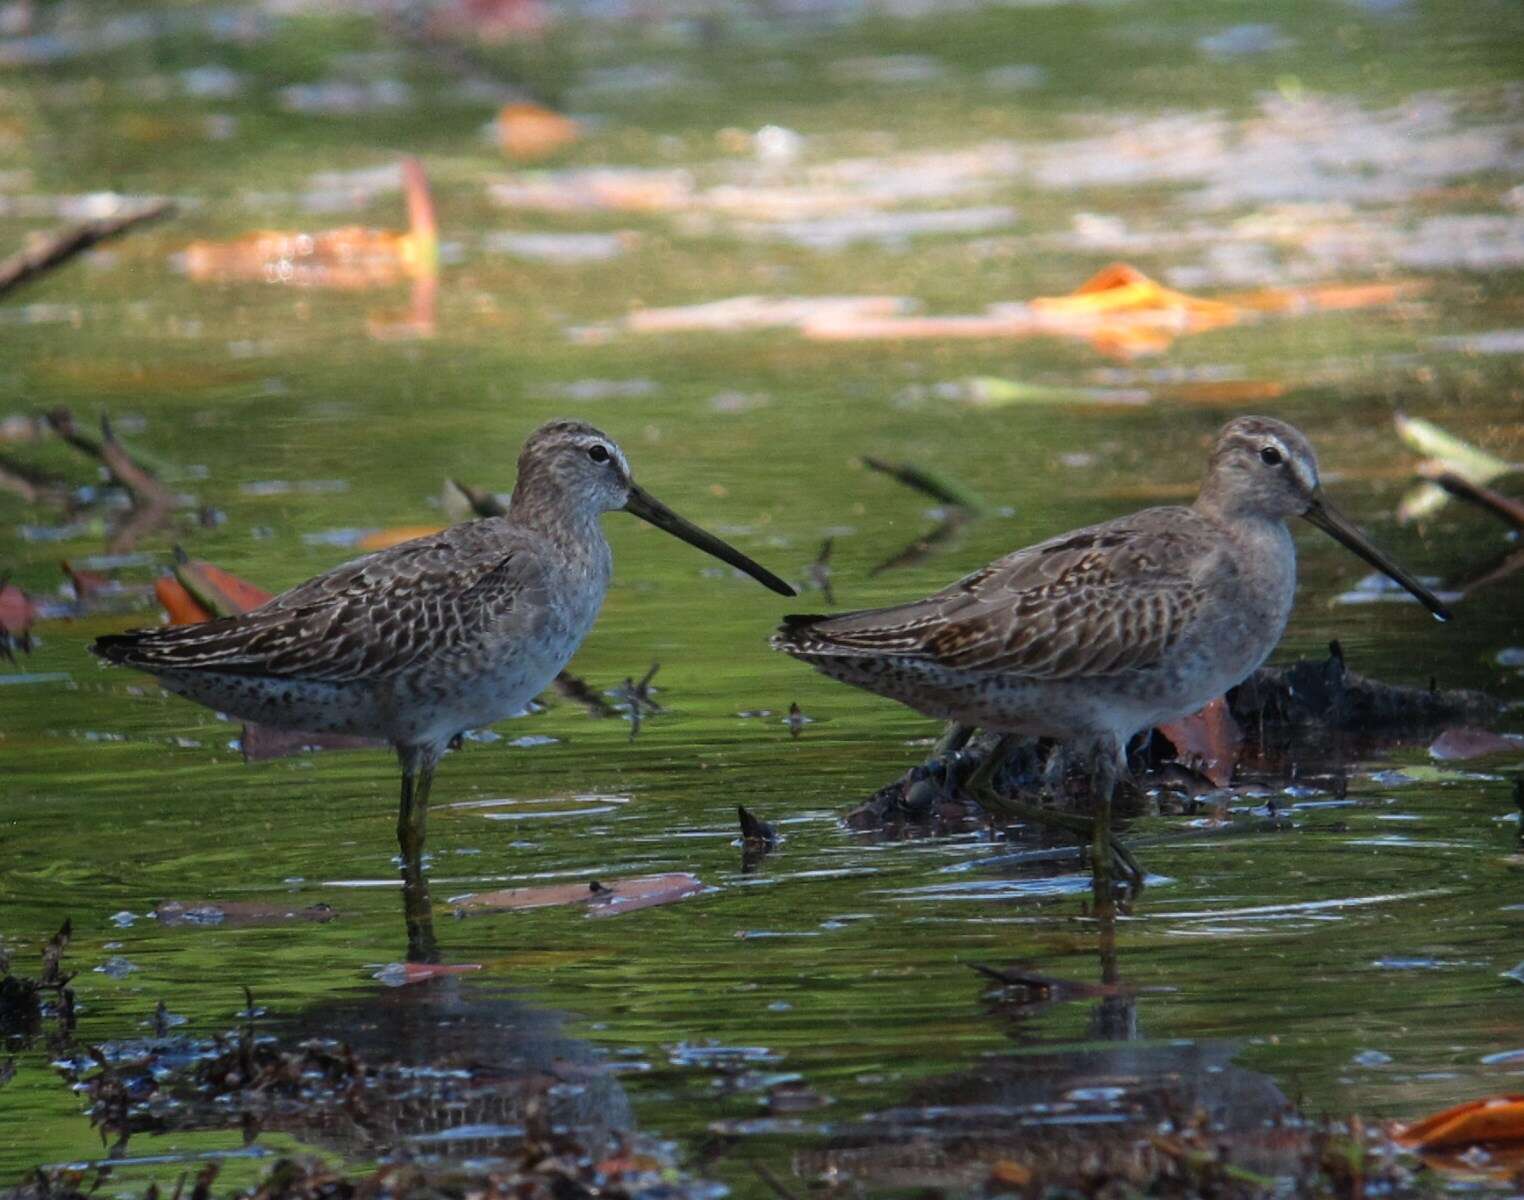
1354	961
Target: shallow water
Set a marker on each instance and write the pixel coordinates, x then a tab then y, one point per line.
1353	962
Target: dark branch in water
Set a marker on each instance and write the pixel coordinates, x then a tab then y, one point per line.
942	490
32	485
483	503
572	687
1507	510
152	502
925	545
59	247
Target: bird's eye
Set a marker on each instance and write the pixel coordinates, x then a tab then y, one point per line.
1270	456
599	454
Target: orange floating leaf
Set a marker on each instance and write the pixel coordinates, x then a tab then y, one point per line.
1494	1119
178	603
403	974
219	592
348	259
380	539
603	900
529	132
1120	288
422	220
17	612
1330	297
1228	391
1207	741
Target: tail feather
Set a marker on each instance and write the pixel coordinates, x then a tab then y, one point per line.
800	633
171	647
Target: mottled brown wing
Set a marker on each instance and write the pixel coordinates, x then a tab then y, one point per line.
367	619
1100	601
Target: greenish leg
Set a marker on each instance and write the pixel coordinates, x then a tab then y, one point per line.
413	812
412	824
1096	830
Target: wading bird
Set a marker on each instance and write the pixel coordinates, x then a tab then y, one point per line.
427	639
1101	633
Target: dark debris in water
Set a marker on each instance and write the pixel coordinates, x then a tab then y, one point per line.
26	1002
512	1130
555	1167
1287	716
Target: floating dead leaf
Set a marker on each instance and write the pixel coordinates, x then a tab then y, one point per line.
17	612
181	606
1207	741
350	258
84	582
763	312
1230	392
1007	1173
219	592
404	974
602	900
529	132
1330	297
236	913
383	538
1476	1122
1468	741
1121	288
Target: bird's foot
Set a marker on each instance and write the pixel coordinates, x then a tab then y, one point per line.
1077	825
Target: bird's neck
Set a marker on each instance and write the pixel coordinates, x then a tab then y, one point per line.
539	506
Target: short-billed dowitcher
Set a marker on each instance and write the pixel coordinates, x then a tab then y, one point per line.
1098	634
428	639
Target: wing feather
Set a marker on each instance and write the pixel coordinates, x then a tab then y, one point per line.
1101	601
371	618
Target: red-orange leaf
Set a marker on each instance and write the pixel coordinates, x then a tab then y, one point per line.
1494	1119
1207	741
179	603
219	592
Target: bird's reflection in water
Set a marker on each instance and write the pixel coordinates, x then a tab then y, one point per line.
1060	1113
459	1071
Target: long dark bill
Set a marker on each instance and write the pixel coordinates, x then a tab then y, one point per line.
648	508
1339	527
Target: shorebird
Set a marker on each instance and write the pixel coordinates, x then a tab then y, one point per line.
1096	635
446	633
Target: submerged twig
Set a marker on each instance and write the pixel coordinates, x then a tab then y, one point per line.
923	547
926	482
820	571
483	503
59	247
32	485
152	501
572	687
1508	510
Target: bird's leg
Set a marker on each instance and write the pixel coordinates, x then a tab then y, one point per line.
1103	785
412	817
413	811
1106	771
1094	830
